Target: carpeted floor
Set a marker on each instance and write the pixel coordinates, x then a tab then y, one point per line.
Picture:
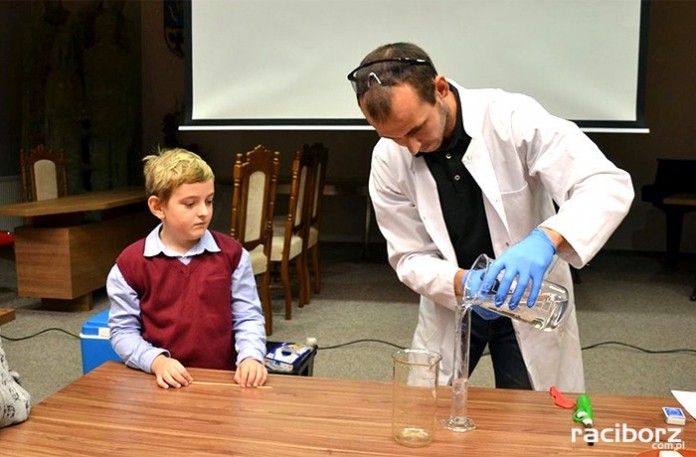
623	297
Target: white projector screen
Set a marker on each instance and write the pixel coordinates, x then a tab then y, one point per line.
282	64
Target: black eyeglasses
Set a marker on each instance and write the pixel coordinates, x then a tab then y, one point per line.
391	70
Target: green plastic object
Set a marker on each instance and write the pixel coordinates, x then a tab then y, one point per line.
583	411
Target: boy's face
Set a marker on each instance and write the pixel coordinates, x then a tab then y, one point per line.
186	215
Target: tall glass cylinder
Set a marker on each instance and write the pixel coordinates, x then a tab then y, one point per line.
458	419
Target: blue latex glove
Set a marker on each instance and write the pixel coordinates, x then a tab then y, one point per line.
527	261
475	277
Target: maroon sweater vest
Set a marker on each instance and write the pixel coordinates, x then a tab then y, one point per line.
186	309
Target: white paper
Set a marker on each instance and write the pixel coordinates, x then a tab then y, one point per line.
687	400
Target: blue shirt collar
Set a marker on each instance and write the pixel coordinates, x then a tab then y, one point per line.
154	245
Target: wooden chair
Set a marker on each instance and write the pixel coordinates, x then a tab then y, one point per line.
253	201
288	238
43	176
312	240
43	173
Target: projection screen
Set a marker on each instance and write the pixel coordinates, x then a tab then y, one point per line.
282	64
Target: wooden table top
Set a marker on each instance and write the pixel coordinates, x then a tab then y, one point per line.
6	315
117	411
682	198
79	203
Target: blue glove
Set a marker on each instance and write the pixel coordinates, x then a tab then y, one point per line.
527	261
475	277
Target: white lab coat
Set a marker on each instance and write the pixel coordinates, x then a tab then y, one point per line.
523	159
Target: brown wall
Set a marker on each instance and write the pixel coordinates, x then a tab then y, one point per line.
12	15
671	117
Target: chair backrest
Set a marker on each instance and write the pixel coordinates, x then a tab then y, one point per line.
322	158
43	173
253	199
301	190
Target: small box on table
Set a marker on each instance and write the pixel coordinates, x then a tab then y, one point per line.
283	357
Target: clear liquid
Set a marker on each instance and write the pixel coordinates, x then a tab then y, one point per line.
413	436
460	390
546	314
458	421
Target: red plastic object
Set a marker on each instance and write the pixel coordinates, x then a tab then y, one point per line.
560	400
6	239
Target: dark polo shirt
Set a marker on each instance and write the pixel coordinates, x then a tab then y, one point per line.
460	196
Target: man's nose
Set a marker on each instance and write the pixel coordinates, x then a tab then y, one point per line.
413	145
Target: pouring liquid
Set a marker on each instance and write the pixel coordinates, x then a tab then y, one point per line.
546	313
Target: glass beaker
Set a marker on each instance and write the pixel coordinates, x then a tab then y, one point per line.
414	396
546	314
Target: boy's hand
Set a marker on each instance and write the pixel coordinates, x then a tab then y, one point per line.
250	373
170	372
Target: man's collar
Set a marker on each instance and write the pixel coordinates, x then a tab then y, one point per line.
458	132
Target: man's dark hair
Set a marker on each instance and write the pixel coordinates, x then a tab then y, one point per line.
376	99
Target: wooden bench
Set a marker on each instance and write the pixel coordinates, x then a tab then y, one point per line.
682	199
672	192
6	315
62	256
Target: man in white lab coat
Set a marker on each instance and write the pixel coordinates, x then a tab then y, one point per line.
461	172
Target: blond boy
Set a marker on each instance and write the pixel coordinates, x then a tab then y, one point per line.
185	296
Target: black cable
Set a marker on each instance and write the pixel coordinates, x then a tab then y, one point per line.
372	340
366	340
39	333
592	346
647	351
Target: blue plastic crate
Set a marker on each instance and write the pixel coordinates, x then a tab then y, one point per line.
94	340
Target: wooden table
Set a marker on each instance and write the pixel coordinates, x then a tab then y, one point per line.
6	315
117	411
71	242
79	203
683	200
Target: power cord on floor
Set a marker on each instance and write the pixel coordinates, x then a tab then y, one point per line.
591	346
366	340
648	351
52	329
388	343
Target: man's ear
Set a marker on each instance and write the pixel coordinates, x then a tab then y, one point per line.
442	87
155	205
